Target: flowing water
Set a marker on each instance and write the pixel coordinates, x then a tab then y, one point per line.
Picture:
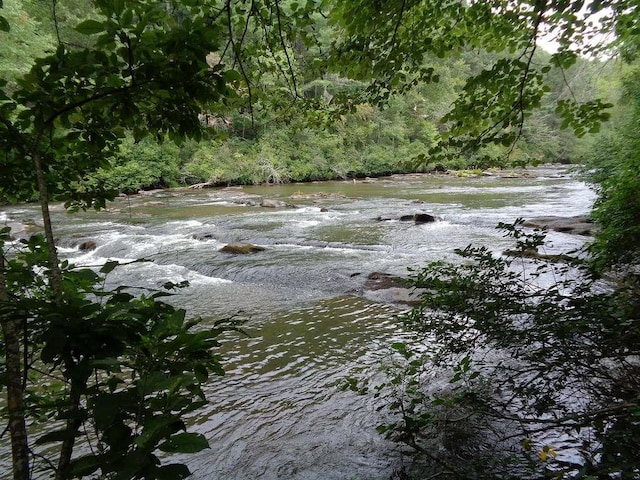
277	412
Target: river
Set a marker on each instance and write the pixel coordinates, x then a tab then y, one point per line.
277	413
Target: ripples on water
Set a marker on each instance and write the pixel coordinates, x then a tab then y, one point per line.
278	413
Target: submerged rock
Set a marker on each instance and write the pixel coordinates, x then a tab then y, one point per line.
241	248
387	288
380	281
203	236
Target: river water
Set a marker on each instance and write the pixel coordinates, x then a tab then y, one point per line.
311	321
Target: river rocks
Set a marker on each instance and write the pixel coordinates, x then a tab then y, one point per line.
265	203
579	225
203	236
387	288
317	195
418	218
535	254
87	245
241	248
270	203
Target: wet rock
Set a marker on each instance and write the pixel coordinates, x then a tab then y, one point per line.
534	253
424	218
419	218
579	225
381	281
87	245
18	230
270	203
316	195
324	210
203	236
248	203
387	288
241	248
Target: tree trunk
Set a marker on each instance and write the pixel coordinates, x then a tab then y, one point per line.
15	398
73	425
55	276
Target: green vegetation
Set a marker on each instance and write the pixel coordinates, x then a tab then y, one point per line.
329	126
111	95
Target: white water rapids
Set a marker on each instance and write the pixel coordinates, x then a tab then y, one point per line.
278	413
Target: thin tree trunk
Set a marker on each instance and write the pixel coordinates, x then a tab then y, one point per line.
73	425
55	279
15	397
55	276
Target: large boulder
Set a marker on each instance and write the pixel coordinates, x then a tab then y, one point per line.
241	248
270	203
580	225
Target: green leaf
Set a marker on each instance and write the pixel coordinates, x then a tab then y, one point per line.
4	25
90	27
85	466
185	443
109	266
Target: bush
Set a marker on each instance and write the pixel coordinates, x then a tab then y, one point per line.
518	368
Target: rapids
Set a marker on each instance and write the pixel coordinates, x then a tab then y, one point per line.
277	412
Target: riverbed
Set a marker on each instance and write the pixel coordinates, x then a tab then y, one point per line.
310	317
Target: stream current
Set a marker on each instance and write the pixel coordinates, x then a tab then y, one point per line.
277	413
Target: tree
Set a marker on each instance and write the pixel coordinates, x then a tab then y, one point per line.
146	72
393	44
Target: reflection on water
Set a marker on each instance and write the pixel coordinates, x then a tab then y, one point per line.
277	413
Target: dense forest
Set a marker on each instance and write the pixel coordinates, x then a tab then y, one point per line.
260	142
111	96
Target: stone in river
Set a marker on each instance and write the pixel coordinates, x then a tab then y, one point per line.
241	248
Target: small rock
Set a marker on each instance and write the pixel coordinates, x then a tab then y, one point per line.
241	248
87	246
269	203
424	218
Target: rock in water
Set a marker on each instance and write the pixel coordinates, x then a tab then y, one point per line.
269	203
424	218
87	245
241	248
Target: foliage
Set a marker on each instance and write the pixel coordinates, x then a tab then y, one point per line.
136	363
531	363
616	163
145	164
141	69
